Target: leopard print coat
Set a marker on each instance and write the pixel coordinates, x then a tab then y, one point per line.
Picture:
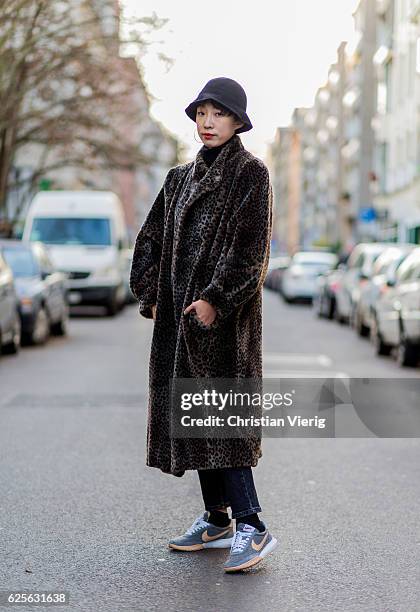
207	236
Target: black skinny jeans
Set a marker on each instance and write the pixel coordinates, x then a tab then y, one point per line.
232	487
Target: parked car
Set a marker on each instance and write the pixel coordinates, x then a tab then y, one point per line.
86	235
358	272
300	277
41	290
397	313
276	267
327	285
384	269
10	327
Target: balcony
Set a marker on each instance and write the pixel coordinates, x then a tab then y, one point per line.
351	97
350	151
382	55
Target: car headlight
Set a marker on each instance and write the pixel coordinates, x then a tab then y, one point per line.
296	271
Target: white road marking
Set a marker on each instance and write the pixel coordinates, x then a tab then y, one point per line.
304	374
298	359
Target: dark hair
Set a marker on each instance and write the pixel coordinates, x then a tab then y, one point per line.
221	107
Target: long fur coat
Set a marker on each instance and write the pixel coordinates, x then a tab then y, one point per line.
207	236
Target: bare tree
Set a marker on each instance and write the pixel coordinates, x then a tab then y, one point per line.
64	89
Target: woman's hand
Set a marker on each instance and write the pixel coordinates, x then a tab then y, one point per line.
205	312
154	312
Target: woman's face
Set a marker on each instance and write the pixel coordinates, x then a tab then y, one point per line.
214	126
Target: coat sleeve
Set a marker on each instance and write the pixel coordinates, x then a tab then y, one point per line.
242	266
144	273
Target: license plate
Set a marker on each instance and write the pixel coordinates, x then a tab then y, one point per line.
75	297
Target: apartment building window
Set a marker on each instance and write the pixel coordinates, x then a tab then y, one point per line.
412	48
398	80
410	157
418	151
414	235
418	56
383	162
382	99
388	74
403	78
400	162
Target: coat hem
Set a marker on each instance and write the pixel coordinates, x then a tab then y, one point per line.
180	472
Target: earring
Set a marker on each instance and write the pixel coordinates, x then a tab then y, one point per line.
196	138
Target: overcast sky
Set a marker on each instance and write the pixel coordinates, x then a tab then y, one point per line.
279	51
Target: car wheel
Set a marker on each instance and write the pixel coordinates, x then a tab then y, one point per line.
112	306
130	299
352	318
338	317
331	309
360	327
41	330
407	353
317	306
60	328
11	348
381	348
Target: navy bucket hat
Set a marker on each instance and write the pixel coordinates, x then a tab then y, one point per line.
226	92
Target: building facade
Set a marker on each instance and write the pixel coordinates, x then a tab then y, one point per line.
397	121
337	179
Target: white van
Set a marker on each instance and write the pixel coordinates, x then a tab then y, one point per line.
86	235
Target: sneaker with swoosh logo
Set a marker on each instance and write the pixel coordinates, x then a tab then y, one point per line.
203	534
249	547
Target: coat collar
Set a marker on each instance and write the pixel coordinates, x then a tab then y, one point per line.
202	174
201	179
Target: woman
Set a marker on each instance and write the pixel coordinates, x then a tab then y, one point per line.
199	263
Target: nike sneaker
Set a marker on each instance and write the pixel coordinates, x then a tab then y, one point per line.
203	534
249	547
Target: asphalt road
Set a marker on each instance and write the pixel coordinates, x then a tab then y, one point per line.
80	512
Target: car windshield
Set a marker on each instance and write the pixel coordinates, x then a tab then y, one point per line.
315	265
381	268
306	258
21	261
370	263
72	230
278	262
